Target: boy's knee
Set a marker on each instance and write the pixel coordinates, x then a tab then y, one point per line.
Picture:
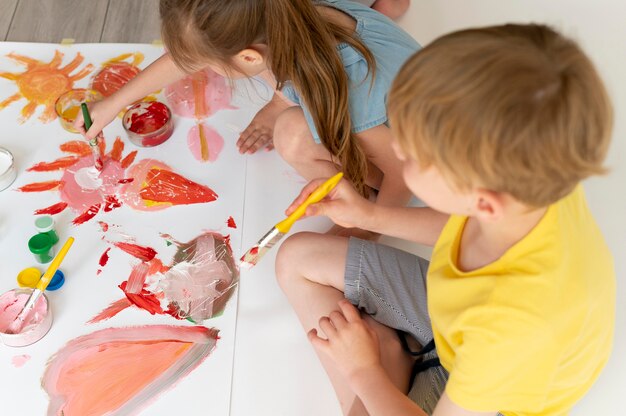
289	255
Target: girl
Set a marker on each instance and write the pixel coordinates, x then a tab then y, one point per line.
335	59
390	8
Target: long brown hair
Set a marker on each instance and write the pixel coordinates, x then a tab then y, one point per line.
302	50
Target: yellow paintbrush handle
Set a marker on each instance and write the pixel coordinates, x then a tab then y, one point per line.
316	196
47	276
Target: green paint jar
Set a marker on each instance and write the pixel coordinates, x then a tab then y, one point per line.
45	225
42	247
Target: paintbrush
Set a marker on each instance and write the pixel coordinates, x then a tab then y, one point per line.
93	143
277	232
22	317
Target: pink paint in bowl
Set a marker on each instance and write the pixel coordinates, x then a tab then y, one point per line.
11	303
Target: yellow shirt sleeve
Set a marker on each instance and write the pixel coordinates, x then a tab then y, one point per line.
506	360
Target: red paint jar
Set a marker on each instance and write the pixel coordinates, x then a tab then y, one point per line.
148	124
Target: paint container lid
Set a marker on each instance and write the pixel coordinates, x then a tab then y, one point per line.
44	223
40	244
29	277
57	281
7	169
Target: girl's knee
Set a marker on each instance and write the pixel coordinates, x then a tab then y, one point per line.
289	130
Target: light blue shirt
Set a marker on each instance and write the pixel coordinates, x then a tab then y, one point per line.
391	47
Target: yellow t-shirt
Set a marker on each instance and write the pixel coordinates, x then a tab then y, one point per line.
529	333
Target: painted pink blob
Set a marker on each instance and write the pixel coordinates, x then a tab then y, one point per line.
214	142
121	370
199	95
80	198
19	360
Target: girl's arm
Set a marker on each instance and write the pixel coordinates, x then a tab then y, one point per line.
157	75
387	175
348	209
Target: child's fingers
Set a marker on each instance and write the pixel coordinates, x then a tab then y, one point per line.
304	193
337	319
318	343
327	326
349	311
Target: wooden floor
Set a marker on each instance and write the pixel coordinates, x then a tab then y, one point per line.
84	21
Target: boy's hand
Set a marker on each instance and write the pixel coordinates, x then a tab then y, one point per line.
343	205
102	113
351	343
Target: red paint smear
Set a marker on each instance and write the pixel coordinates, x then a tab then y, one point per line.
126	180
167	186
112	310
111	202
59	164
112	77
87	215
129	159
142	253
254	250
52	209
104	258
153	118
118	148
40	186
104	226
77	147
144	300
231	222
98	272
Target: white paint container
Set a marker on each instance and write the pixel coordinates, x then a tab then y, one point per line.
7	169
11	303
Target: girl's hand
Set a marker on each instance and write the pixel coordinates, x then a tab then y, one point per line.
260	132
351	343
102	113
343	205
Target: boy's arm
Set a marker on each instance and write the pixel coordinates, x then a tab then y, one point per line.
345	207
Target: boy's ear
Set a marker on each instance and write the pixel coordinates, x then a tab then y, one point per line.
489	205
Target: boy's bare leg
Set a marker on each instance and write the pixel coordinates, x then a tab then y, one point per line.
310	270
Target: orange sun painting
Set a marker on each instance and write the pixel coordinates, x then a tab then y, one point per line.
42	83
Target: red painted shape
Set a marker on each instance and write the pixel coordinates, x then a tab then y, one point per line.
40	186
231	222
153	118
166	186
59	164
104	226
52	209
104	258
144	300
87	215
112	310
113	77
116	151
142	253
129	159
111	202
125	180
77	147
254	250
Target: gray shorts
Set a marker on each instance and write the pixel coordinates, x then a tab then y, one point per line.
390	285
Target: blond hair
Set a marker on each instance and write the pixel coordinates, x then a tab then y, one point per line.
517	109
302	50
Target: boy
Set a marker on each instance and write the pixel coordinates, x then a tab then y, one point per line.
496	127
